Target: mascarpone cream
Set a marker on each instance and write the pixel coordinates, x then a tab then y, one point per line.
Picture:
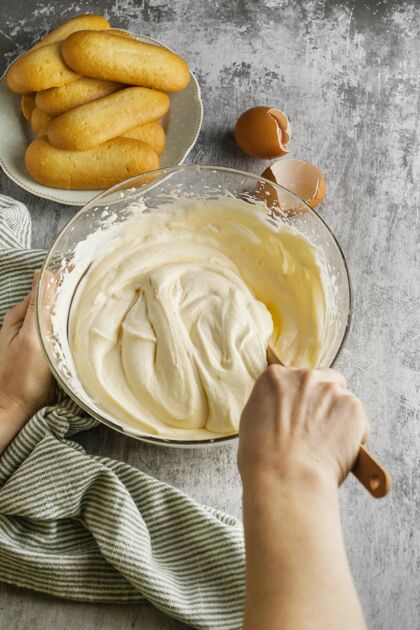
171	322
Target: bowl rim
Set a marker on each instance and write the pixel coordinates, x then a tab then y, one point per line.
161	441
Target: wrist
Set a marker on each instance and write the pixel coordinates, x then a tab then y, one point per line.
302	480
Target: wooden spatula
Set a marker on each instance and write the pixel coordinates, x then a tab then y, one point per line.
374	477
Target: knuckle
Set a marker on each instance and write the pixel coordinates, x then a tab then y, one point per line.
355	411
334	390
358	416
307	377
331	372
273	379
335	374
273	372
355	405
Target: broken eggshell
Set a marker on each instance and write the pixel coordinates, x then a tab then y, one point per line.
263	132
302	178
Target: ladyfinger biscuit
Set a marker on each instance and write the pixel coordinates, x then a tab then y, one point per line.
58	100
98	121
39	69
100	167
27	105
14	85
104	56
150	133
39	120
87	22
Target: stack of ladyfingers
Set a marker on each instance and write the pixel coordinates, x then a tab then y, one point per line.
94	97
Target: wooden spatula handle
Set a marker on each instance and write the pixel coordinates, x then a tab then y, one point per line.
374	477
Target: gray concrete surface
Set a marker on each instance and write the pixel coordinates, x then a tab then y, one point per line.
347	73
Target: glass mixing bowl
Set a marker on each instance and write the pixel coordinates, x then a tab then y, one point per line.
153	190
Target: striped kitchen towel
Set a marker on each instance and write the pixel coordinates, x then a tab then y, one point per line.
93	529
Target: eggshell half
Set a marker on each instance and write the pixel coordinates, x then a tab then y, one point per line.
302	178
263	132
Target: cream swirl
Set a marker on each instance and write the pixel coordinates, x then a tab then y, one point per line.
171	322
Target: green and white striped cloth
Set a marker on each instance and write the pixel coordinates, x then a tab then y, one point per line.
93	529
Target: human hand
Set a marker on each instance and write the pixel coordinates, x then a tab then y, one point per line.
300	422
26	383
299	436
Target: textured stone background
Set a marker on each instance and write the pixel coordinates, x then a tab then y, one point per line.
347	73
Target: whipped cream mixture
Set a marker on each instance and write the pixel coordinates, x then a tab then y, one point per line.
171	322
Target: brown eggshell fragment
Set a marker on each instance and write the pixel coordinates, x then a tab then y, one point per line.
303	179
263	132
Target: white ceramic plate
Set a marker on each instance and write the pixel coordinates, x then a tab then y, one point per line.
182	125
